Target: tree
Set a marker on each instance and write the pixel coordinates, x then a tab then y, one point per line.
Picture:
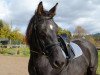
16	36
91	39
79	32
97	39
7	32
96	36
1	24
63	31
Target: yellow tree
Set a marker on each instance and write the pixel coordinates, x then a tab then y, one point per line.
1	24
17	36
5	31
80	32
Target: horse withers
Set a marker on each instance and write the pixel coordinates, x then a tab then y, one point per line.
46	56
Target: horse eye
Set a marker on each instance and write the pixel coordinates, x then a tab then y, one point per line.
48	51
42	37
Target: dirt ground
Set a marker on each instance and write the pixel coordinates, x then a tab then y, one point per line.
11	65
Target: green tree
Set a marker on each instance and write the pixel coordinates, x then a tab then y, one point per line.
63	31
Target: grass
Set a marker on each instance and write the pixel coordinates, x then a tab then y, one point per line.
98	70
23	51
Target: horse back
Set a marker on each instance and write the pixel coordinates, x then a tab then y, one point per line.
89	51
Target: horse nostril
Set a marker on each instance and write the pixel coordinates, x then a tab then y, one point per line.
62	63
59	64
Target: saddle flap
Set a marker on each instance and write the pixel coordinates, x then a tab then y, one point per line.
76	49
70	49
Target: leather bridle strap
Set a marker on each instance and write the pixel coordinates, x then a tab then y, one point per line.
51	45
47	48
42	47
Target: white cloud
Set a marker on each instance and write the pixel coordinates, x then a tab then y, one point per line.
82	21
4	10
70	13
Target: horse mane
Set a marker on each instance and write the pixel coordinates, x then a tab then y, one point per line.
30	29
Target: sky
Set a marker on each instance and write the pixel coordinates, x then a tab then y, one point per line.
69	14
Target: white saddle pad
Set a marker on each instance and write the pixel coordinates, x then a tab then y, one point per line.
76	49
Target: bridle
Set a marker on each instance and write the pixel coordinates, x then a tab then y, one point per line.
44	50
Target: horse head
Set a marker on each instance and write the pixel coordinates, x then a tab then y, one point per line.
43	28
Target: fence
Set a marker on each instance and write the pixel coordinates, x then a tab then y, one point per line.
12	46
98	48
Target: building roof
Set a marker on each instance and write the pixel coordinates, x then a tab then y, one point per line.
4	39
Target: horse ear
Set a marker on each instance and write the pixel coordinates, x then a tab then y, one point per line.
52	11
40	8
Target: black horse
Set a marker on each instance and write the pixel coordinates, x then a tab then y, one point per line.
46	57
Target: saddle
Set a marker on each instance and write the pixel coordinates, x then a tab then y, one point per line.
70	49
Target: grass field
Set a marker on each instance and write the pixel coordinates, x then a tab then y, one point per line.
98	70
